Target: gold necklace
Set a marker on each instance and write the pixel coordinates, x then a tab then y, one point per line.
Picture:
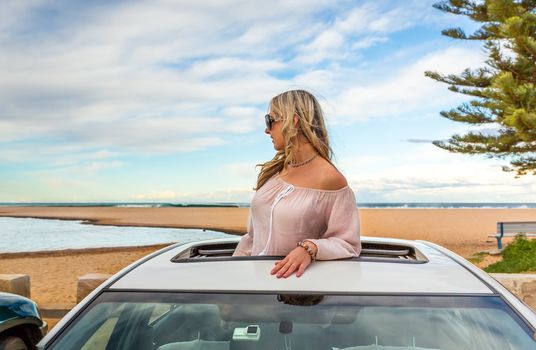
296	165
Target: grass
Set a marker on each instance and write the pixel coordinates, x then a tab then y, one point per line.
518	256
477	257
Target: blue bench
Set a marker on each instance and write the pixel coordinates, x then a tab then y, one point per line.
512	229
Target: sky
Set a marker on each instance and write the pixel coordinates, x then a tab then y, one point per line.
163	100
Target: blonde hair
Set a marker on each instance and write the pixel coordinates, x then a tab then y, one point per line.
311	126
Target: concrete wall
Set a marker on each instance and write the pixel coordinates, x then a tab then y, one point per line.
522	285
15	284
87	283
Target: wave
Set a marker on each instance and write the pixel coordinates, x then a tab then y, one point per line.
184	205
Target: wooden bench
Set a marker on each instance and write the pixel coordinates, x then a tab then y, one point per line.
512	229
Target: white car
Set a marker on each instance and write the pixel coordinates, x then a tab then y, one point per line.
397	295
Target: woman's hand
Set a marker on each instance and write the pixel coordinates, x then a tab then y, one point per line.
296	261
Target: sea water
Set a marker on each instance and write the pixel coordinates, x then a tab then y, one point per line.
30	235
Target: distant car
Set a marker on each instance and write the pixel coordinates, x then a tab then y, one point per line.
397	295
21	326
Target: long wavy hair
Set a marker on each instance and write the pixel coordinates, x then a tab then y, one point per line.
310	126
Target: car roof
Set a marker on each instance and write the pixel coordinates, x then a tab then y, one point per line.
425	270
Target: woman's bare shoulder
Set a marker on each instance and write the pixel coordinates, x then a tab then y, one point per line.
332	179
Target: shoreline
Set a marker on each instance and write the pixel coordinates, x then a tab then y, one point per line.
230	220
75	251
103	222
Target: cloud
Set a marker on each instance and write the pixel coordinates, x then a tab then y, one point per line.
86	76
227	196
85	86
406	89
418	141
244	170
374	18
487	130
428	174
57	155
368	42
117	85
156	196
326	44
361	27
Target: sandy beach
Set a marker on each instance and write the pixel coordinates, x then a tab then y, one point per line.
53	274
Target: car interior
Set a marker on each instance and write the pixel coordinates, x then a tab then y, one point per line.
294	322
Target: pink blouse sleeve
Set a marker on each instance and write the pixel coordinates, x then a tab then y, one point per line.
246	242
341	238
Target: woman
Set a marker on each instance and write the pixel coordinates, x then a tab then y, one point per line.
303	208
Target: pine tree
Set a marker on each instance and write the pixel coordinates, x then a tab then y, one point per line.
504	91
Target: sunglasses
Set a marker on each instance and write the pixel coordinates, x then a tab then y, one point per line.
269	120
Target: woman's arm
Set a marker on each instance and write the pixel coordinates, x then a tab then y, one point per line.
340	240
342	236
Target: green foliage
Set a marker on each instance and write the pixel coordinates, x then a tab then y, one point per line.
518	256
477	257
504	91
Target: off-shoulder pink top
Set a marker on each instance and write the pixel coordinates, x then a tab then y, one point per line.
283	214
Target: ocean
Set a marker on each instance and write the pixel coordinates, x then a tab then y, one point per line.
32	235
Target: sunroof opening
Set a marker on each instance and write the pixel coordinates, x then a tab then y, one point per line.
371	251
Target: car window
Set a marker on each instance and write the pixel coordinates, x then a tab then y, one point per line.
100	338
167	321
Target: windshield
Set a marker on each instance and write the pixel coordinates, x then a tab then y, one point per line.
165	321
